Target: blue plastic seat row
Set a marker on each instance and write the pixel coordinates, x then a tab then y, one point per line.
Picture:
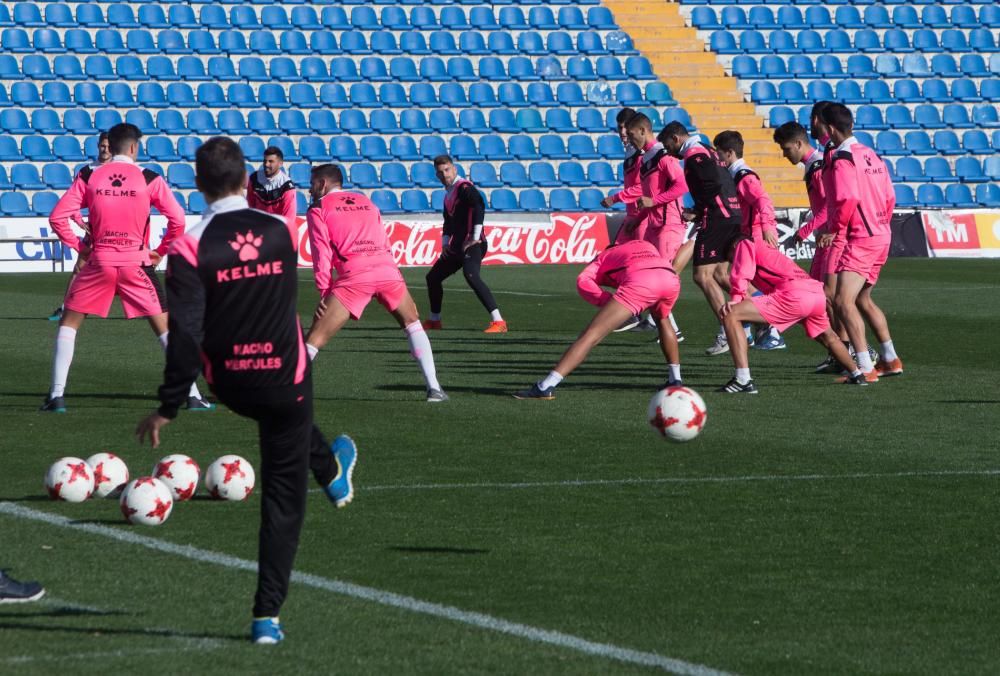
172	41
810	41
956	195
846	16
183	15
423	95
923	116
939	170
316	69
850	92
861	66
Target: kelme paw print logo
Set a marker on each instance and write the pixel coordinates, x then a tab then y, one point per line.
247	245
349	200
117	180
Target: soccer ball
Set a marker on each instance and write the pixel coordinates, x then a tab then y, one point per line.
677	413
110	474
180	473
70	479
230	478
147	501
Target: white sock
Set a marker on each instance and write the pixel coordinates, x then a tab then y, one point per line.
722	333
495	315
420	348
61	360
747	330
743	376
855	373
312	350
675	371
864	359
435	316
673	323
888	351
775	333
164	340
551	380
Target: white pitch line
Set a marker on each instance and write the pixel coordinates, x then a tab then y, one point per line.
393	600
573	483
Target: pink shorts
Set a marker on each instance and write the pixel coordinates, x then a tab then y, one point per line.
95	286
656	289
825	261
667	241
865	256
355	291
802	302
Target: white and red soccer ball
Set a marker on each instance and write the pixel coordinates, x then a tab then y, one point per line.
677	413
110	474
180	473
147	501
230	478
70	479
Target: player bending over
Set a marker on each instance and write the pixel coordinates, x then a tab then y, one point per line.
463	245
119	195
232	283
790	297
346	234
643	280
860	202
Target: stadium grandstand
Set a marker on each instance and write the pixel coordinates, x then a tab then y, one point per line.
523	95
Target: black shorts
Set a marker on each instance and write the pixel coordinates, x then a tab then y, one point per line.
711	244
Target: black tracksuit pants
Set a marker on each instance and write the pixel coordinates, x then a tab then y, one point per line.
469	263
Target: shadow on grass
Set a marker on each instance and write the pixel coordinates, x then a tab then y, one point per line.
117	631
455	388
63	611
437	550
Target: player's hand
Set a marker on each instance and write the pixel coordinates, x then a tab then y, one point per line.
645	202
471	243
84	252
824	241
155	258
151	425
726	308
688	215
320	308
607	202
771	239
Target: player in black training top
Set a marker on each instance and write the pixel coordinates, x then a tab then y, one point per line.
462	245
231	285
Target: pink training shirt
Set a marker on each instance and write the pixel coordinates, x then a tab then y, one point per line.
662	179
632	189
816	189
756	206
862	198
766	268
613	266
346	234
119	196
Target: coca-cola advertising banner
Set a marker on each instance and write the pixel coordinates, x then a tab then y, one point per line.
415	240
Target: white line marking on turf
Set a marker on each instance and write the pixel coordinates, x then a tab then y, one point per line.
481	620
572	483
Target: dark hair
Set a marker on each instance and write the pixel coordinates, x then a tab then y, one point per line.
639	120
817	110
624	115
121	136
838	116
730	140
330	172
790	131
219	167
102	137
674	128
443	159
274	150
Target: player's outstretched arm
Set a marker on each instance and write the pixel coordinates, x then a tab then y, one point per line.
322	251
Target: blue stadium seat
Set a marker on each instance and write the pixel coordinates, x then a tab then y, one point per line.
394	175
937	170
57	14
909	169
14	204
181	176
422	175
432	146
780	115
988	195
532	199
985	115
973	65
202	122
969	170
907	91
262	122
42	203
886	65
33	66
142	119
819	90
762	17
752	42
790	16
638	67
523	147
15	121
946	143
386	201
384	122
344	149
976	142
818	17
501	43
484	175
889	143
45	121
723	42
196	203
982	40
898	116
562	199
869	117
960	195
930	195
9	151
944	65
25	177
98	67
66	148
414	201
936	90
363	175
956	116
552	146
501	199
571	174
36	149
828	65
581	147
464	147
314	149
918	143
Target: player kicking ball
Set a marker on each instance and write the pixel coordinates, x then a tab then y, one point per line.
790	297
643	280
347	235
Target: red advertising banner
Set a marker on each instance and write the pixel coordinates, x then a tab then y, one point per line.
565	238
951	230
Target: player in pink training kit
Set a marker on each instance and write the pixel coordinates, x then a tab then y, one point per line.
632	189
119	196
860	203
790	297
270	189
642	280
347	235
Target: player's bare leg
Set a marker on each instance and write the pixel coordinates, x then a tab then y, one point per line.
849	287
607	319
329	318
671	349
683	256
889	363
420	346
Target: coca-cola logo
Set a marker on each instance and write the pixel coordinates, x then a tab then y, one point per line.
567	238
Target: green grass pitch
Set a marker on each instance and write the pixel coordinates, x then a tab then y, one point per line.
812	529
